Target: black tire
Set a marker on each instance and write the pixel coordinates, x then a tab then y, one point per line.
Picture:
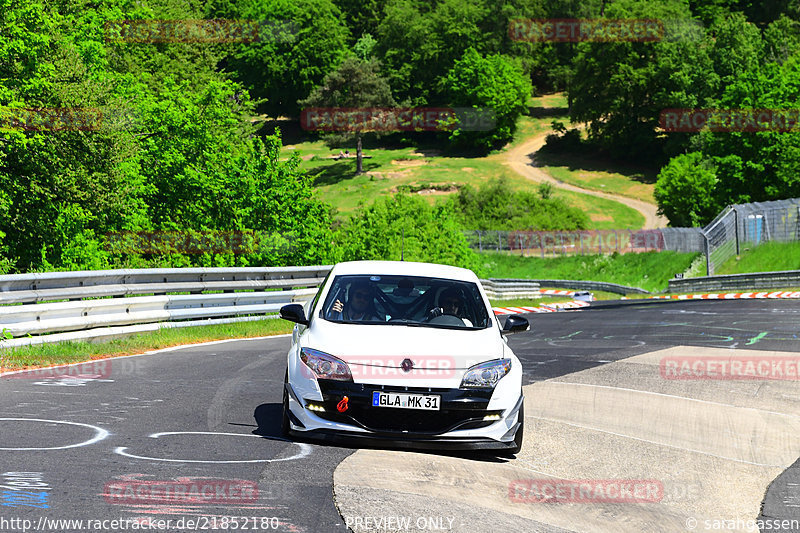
285	420
520	432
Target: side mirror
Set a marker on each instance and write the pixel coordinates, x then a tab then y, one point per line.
515	324
294	313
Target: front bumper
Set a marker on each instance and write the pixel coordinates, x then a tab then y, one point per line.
459	424
407	443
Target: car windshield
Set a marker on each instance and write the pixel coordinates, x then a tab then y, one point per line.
405	300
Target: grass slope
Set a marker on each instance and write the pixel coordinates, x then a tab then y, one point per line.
649	270
767	257
75	352
391	168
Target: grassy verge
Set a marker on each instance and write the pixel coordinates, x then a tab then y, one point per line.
528	302
434	174
601	175
649	270
767	257
74	352
603	213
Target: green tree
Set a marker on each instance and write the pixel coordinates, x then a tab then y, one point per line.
284	66
620	88
419	42
781	40
760	165
363	16
406	224
355	84
685	191
492	83
737	48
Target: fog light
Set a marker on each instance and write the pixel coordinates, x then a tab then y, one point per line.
491	417
315	407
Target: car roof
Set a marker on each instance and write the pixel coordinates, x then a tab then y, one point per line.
408	268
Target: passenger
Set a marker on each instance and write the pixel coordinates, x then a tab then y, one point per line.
360	303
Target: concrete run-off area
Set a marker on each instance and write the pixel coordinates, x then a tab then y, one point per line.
651	453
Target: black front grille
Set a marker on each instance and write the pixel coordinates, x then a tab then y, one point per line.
460	409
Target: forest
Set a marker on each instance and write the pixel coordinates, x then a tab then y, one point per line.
114	124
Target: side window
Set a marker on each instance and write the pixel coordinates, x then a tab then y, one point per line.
313	305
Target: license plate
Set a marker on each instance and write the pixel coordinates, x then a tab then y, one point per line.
406	401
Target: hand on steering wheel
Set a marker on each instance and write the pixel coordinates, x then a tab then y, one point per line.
433	313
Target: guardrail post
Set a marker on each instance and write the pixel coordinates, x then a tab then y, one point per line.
797	226
736	228
708	254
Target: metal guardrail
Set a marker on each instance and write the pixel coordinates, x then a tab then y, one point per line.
582	285
738	282
50	286
86	314
100	304
503	289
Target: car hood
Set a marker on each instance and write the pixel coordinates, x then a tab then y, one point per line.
388	346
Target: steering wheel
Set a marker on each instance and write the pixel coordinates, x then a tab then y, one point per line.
437	316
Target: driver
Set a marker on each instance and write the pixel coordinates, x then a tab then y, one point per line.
360	303
451	302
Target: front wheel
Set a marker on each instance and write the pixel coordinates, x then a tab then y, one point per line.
285	420
520	432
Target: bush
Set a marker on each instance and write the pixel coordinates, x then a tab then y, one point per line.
406	224
567	141
497	206
492	82
685	191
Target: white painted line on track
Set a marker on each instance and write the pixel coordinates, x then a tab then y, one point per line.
686	398
151	352
100	434
305	449
651	441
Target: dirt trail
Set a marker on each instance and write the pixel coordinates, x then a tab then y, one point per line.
522	159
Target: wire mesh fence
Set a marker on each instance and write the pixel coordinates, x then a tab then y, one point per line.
749	225
552	243
736	226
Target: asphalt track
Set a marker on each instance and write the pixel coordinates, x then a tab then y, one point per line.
101	445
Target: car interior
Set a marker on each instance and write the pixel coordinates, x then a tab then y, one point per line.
411	299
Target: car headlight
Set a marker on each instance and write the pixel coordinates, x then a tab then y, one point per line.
486	375
325	366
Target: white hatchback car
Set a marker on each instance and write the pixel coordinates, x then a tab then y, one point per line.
405	354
